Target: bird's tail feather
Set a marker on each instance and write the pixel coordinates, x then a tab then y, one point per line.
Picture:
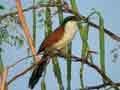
37	73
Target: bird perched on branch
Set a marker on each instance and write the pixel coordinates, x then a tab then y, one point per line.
58	39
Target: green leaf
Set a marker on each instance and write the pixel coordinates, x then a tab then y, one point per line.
43	85
60	12
69	62
20	42
3	34
68	49
2	7
101	41
84	37
48	22
56	67
75	10
57	72
74	6
1	64
34	25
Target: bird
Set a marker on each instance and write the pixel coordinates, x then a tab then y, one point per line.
58	39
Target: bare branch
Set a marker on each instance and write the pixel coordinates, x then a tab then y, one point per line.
108	32
85	61
40	5
97	86
19	61
66	10
20	74
76	59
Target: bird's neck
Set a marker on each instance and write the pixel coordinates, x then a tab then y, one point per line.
71	26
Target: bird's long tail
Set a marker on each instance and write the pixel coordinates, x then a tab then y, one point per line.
37	73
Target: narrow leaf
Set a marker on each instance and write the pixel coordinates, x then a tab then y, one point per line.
2	7
83	34
57	72
60	13
1	64
43	85
75	10
34	24
56	67
69	63
102	42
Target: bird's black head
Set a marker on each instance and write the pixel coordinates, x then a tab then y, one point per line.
70	18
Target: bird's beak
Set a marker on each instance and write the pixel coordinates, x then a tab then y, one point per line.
78	18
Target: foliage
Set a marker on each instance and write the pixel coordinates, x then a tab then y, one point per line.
2	7
10	35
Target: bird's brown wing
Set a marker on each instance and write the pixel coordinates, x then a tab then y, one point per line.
51	39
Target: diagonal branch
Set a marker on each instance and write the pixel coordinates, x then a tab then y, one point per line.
111	34
20	74
40	5
66	10
18	61
85	61
76	59
95	87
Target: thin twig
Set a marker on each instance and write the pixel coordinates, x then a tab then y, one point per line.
30	8
20	74
97	87
85	61
94	87
111	34
19	61
66	10
74	59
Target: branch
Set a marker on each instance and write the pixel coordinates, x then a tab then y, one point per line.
4	79
95	87
75	59
95	67
99	86
19	61
0	81
20	74
40	5
85	61
67	9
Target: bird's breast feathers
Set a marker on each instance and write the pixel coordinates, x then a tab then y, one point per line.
61	37
70	30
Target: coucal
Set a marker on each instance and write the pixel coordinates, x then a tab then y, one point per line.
58	39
